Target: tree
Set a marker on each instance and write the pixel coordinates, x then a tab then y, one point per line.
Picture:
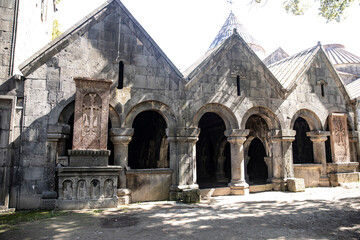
55	29
329	9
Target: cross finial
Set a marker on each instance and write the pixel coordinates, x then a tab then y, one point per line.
231	2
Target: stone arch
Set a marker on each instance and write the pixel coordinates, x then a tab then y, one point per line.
311	118
270	118
224	112
159	107
61	109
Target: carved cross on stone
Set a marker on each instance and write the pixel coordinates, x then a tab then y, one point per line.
91	116
339	138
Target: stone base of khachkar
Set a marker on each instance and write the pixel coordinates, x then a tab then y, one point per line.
341	170
88	181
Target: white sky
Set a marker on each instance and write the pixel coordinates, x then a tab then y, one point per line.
184	29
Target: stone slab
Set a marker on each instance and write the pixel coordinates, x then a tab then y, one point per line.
86	204
296	184
337	178
261	188
309	172
213	192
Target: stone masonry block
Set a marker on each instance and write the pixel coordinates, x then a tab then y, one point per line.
296	184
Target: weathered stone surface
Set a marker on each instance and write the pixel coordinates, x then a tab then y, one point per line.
337	178
339	138
296	184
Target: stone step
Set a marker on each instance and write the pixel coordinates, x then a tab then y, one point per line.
224	191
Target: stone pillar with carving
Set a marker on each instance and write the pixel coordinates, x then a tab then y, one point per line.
341	170
318	139
182	143
281	144
90	123
236	138
121	138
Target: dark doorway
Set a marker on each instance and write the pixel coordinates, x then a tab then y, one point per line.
302	146
257	169
213	164
149	146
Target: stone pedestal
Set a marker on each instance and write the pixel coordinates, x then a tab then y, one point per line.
236	138
87	187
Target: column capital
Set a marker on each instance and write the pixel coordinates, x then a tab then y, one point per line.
237	133
55	132
114	132
182	134
318	136
285	135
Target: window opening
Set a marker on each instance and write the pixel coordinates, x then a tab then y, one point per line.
121	75
238	85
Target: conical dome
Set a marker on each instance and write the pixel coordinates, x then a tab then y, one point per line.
338	55
227	30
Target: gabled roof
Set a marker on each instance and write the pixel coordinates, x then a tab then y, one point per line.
58	44
227	29
288	70
277	55
353	89
200	67
338	55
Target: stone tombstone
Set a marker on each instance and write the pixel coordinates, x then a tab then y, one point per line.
91	113
339	138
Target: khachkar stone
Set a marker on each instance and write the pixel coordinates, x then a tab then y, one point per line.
339	138
341	170
90	122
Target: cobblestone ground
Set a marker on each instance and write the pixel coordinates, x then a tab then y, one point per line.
318	213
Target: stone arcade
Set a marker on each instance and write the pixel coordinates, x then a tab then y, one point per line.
107	119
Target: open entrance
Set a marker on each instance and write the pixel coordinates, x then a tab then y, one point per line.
257	169
213	164
149	146
302	146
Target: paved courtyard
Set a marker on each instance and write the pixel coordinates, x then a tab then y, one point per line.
318	213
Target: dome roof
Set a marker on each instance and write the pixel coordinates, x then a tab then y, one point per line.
338	55
227	30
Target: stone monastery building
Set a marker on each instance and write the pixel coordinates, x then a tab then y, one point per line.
101	117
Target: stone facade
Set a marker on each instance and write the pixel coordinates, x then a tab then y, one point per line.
229	121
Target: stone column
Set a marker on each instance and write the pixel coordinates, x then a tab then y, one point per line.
281	143
269	164
182	143
246	162
236	138
352	142
121	138
55	134
319	138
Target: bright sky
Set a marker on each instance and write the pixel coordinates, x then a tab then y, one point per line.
184	29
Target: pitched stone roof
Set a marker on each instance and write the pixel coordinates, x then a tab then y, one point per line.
353	89
227	29
338	55
277	55
288	70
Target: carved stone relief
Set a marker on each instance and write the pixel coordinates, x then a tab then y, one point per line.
339	138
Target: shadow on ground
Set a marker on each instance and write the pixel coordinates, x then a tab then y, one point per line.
315	219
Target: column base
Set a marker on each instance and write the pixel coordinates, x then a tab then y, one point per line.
279	184
124	196
239	188
324	181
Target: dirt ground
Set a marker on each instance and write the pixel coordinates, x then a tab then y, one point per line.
318	213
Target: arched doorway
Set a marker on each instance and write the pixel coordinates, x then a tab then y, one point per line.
149	146
213	163
302	146
255	150
257	169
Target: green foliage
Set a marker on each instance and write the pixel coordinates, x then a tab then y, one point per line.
329	9
55	29
8	220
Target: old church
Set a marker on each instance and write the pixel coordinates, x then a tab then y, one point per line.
102	117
